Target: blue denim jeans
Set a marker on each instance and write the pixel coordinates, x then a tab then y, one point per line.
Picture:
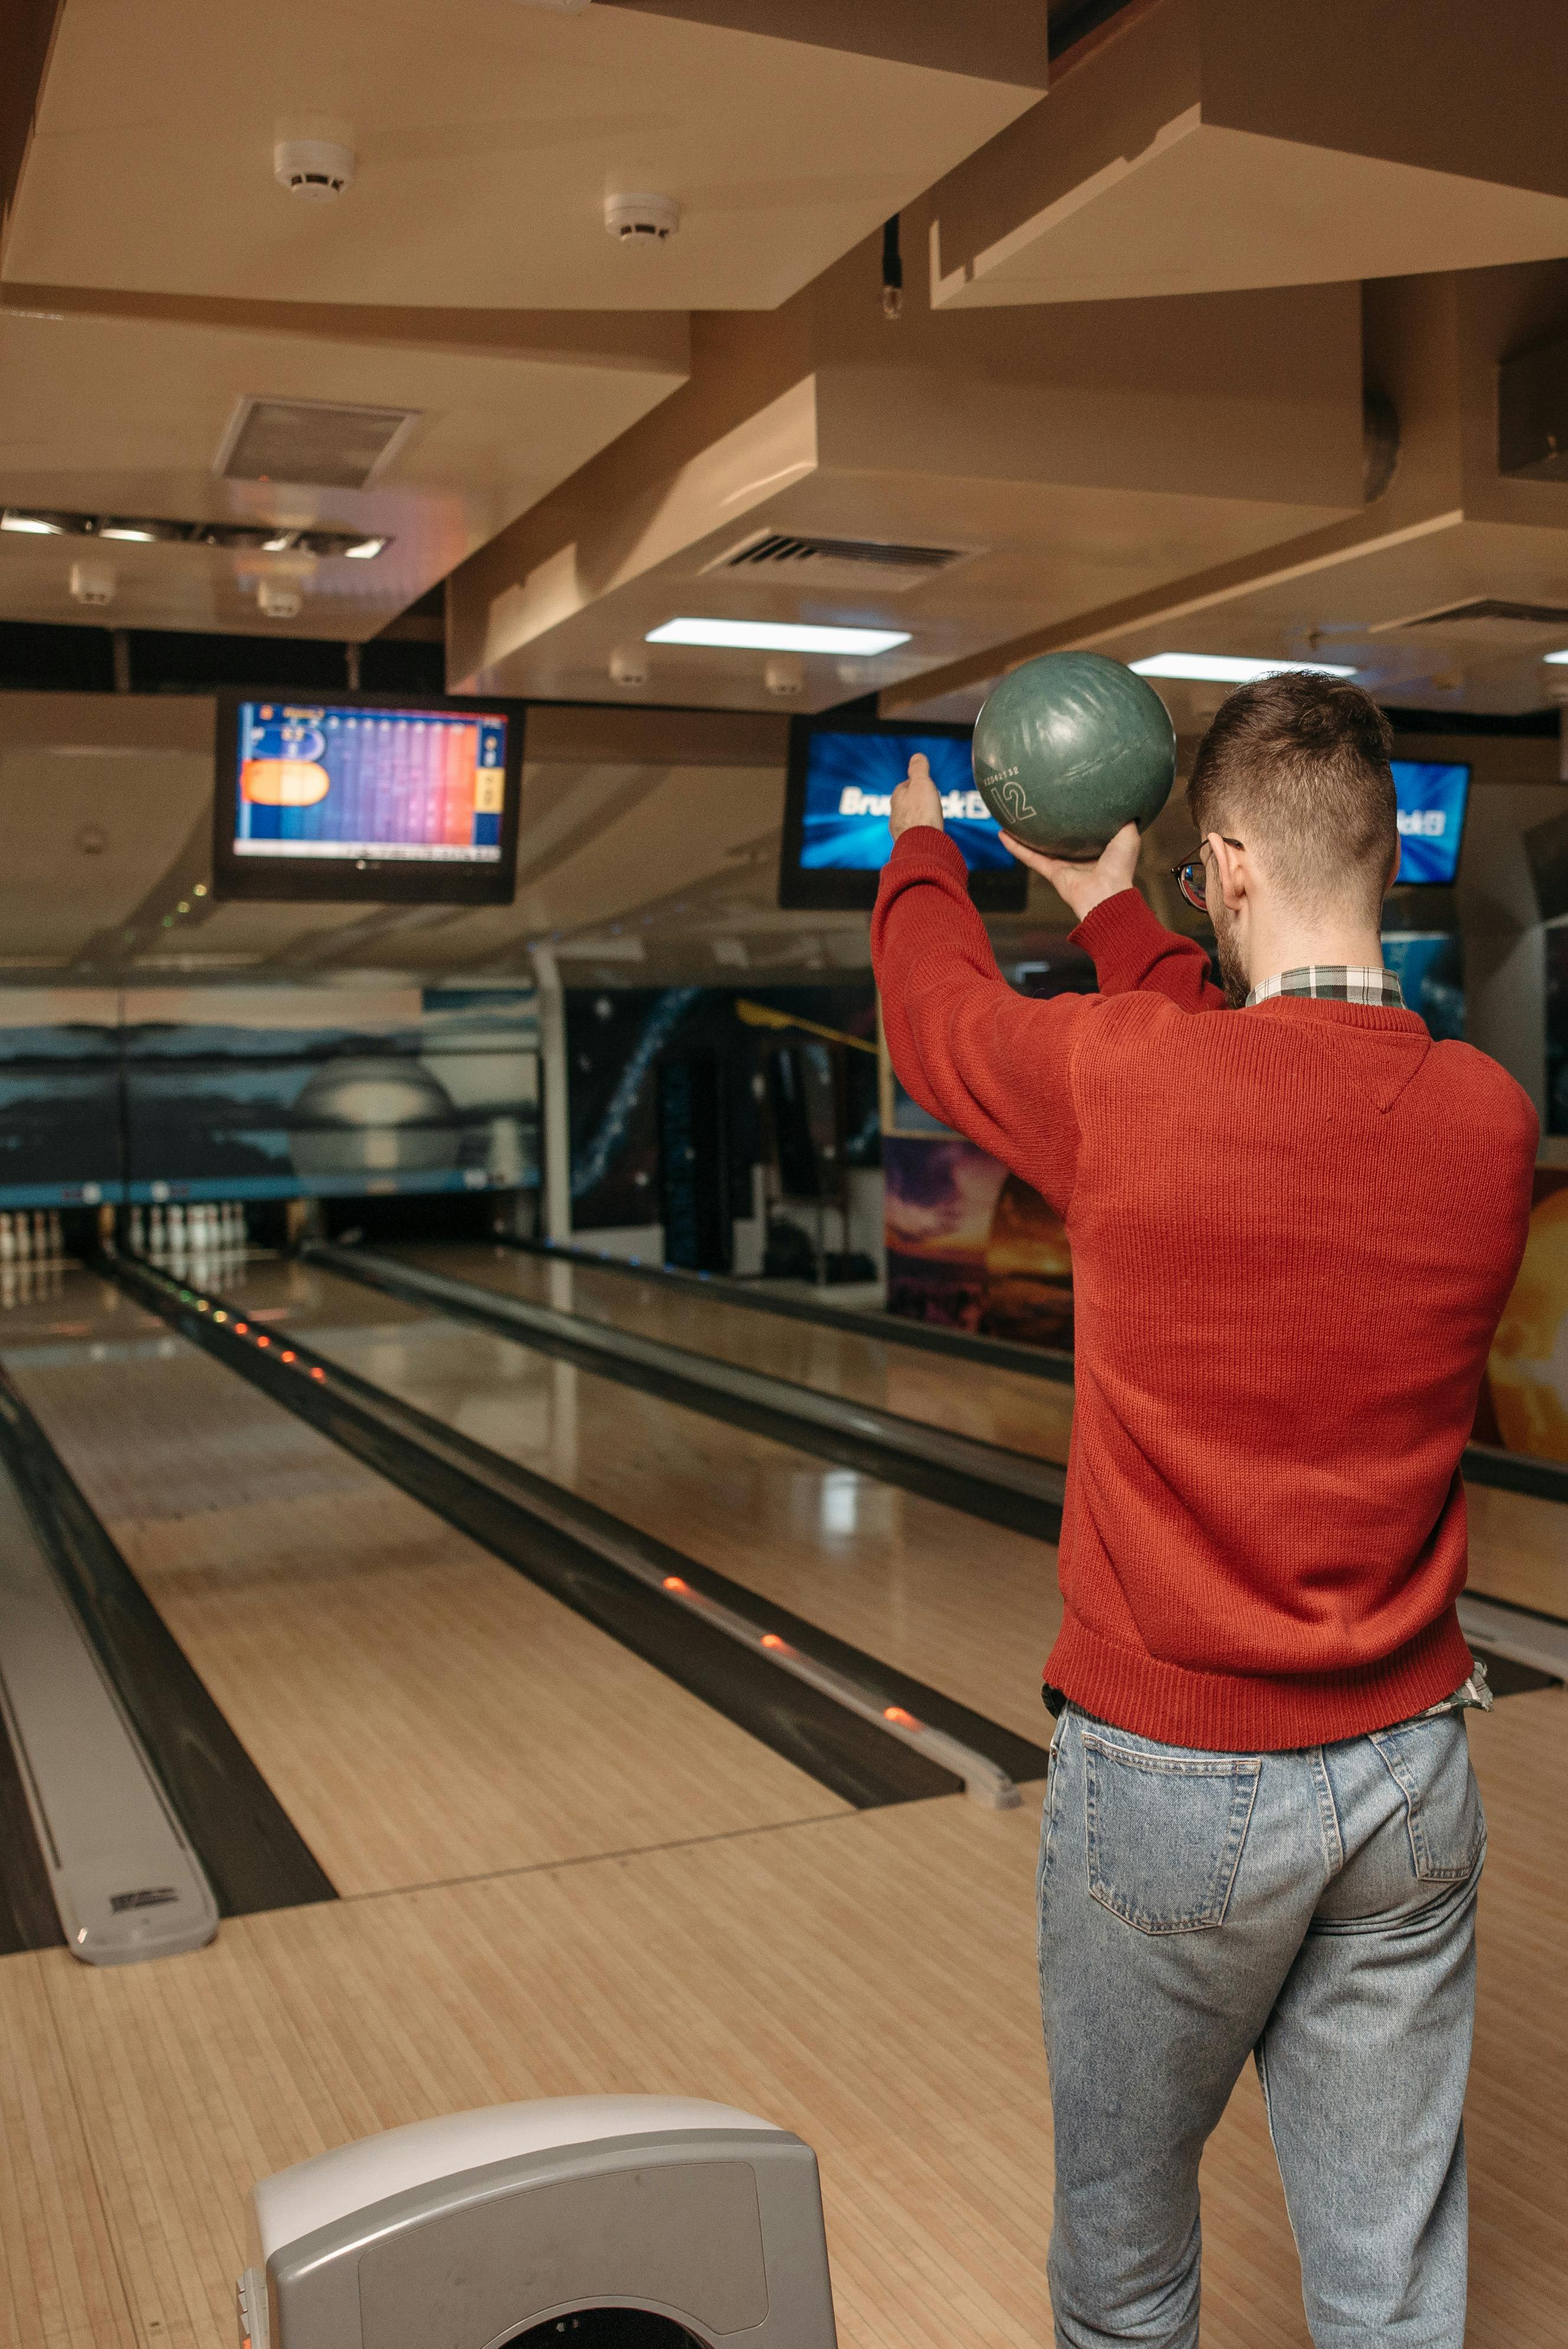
1314	1910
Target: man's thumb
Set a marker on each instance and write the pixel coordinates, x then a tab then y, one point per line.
919	768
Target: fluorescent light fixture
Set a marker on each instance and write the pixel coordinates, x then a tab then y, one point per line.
1557	659
362	550
34	525
138	533
279	543
1227	668
778	637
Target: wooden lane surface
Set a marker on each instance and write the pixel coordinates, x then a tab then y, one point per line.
421	1711
1518	1545
972	1398
867	1981
967	1607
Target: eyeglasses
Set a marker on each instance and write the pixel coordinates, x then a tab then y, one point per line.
1192	876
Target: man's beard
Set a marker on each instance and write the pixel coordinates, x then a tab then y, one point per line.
1232	977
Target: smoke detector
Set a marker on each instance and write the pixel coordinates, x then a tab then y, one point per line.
642	220
93	583
279	599
785	676
318	168
629	665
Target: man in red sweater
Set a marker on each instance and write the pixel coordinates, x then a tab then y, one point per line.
1295	1221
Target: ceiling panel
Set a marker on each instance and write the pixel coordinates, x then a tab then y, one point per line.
1132	444
1205	144
126	415
488	136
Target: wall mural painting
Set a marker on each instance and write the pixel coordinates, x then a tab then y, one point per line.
1524	1396
61	1142
615	1039
265	1093
972	1246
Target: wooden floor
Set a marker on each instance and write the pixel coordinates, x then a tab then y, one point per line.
422	1710
994	1406
967	1607
865	1979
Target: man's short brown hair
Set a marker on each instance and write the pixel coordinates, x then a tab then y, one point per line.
1297	767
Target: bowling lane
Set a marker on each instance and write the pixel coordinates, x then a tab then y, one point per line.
423	1712
994	1406
1518	1549
967	1607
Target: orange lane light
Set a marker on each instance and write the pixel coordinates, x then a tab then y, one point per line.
771	1640
318	1372
261	1341
241	1329
673	1582
286	1356
900	1720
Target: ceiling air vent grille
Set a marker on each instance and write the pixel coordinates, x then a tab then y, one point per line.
1492	611
314	442
839	561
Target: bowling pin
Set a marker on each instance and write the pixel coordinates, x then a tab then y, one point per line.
24	1240
57	1232
40	1235
138	1232
7	1241
155	1236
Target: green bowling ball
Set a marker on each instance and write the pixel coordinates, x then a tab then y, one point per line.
1069	748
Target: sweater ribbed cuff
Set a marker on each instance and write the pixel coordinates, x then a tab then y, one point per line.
1121	936
911	846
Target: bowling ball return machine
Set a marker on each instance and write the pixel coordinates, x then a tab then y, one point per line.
586	2222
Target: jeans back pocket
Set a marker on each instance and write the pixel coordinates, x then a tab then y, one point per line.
1430	1763
1165	1831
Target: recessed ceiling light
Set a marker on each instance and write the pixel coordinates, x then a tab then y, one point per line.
1555	657
35	525
1228	669
139	533
364	548
778	637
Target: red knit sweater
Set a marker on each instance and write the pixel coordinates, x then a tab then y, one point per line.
1294	1228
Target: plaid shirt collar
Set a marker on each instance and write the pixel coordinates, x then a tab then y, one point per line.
1337	980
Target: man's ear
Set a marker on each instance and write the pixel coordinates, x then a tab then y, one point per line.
1228	870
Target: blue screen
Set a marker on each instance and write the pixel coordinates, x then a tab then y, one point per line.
1431	817
849	783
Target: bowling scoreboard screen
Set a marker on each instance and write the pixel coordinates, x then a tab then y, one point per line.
363	798
1431	796
837	836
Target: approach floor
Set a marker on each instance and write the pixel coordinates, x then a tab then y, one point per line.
422	1710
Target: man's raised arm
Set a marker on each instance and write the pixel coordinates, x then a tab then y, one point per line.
983	1060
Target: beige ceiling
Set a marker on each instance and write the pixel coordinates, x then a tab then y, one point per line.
1447	530
1216	144
124	414
488	135
1129	446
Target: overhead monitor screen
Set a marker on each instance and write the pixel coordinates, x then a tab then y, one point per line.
837	834
1431	795
357	798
